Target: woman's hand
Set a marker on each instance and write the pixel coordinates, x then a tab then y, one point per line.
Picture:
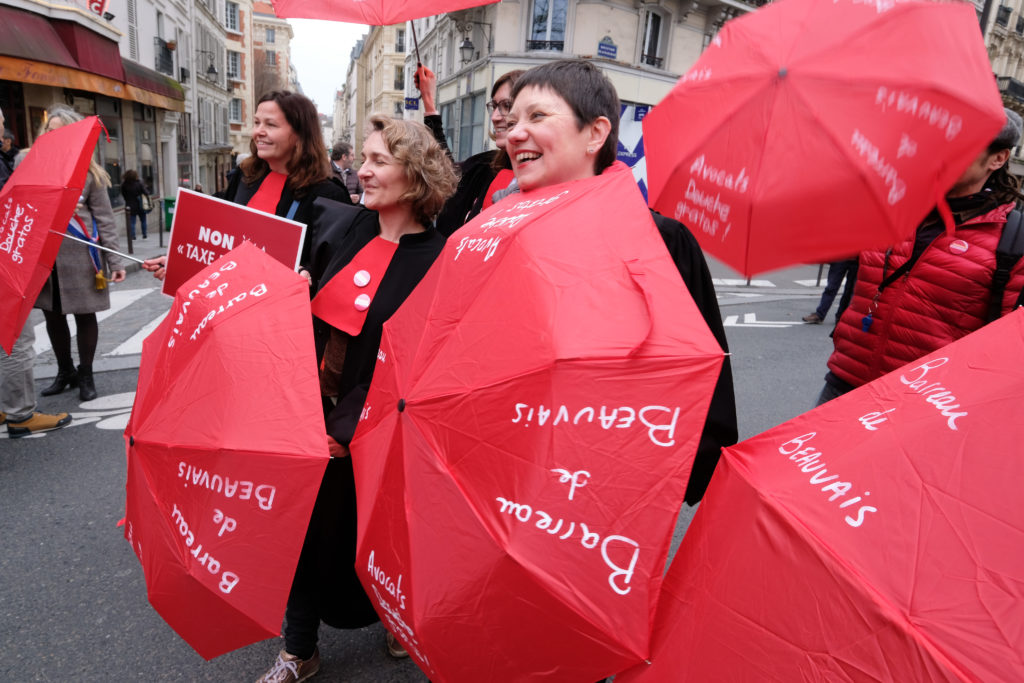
157	266
426	81
306	274
118	276
337	450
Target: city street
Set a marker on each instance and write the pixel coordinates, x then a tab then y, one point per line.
73	601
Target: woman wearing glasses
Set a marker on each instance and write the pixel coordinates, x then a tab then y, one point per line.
482	174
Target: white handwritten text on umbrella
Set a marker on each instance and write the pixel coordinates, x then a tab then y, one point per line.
936	394
14	230
588	539
622	417
809	460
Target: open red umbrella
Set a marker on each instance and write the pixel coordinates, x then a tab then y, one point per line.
811	130
226	450
373	12
528	437
879	537
39	196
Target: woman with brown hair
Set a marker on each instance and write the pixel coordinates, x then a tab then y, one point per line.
288	168
77	285
390	244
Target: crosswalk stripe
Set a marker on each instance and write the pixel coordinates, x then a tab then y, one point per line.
133	345
119	299
729	282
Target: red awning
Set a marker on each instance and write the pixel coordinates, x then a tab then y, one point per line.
152	87
94	53
31	36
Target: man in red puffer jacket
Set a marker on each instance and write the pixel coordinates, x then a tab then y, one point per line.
936	287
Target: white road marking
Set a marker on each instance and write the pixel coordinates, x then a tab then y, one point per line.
809	283
730	282
133	345
119	299
750	320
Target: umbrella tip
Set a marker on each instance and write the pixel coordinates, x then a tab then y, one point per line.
782	72
401	405
131	440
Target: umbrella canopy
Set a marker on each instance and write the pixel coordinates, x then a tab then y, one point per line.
372	12
810	130
226	450
528	437
877	538
39	196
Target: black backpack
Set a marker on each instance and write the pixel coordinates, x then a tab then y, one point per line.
1008	252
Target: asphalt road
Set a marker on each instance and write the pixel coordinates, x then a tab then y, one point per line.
72	596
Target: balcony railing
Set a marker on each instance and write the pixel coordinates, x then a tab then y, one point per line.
164	59
557	45
1011	87
1003	16
651	60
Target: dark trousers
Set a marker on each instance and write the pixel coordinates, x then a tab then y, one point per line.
836	272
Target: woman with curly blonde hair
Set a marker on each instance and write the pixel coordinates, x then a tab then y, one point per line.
365	260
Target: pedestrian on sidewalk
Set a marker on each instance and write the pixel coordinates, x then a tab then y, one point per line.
837	272
77	286
17	382
135	196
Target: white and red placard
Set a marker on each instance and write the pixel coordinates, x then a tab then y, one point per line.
205	228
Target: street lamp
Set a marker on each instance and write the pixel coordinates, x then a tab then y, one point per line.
467	49
211	72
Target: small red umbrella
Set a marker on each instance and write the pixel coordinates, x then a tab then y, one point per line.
39	196
879	537
226	450
372	12
810	130
527	439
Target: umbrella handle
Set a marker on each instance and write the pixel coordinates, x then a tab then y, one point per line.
638	275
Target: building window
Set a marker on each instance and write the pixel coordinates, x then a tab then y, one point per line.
235	110
271	58
231	16
109	146
1003	16
547	25
164	60
400	40
270	35
399	78
652	41
448	121
234	64
471	126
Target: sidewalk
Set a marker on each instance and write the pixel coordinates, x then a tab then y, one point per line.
142	248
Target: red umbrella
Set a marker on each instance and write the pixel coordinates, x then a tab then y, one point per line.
226	450
528	437
877	538
39	196
810	130
373	12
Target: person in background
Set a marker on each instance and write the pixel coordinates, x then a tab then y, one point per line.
341	166
936	286
132	190
17	379
8	151
483	174
77	285
288	168
406	178
565	121
837	272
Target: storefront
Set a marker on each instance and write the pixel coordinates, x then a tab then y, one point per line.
46	61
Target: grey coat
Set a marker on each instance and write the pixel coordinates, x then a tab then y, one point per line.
75	273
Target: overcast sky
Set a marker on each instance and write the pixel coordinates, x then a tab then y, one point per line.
320	52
